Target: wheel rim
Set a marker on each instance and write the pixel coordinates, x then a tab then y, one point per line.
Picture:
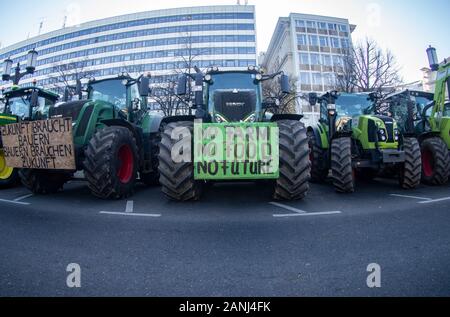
5	171
126	164
427	163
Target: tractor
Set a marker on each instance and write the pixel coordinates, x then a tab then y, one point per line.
229	108
354	143
22	104
115	139
426	116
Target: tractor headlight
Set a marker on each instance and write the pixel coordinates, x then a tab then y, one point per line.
208	77
382	135
396	135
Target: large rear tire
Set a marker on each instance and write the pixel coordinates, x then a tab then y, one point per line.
43	182
435	161
295	167
341	165
177	179
317	156
8	176
410	173
111	163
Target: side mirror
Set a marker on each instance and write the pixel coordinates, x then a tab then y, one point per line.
144	87
79	89
198	89
34	98
66	94
182	83
285	86
312	98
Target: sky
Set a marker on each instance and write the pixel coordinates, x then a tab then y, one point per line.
406	27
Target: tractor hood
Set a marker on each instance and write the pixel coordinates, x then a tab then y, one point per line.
70	109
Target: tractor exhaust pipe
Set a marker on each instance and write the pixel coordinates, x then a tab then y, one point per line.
433	58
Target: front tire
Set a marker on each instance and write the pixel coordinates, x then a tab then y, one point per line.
111	163
341	165
295	167
410	173
43	182
177	179
435	161
8	176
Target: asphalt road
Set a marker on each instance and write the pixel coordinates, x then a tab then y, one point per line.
234	242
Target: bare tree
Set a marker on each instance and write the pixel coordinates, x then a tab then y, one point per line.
367	67
272	91
68	73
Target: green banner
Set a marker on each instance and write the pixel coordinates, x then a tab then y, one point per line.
236	151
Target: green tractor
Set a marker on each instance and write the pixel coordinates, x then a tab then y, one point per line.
22	104
354	143
115	139
229	106
426	116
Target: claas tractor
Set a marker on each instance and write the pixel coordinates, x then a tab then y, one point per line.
354	143
22	104
426	116
115	139
233	137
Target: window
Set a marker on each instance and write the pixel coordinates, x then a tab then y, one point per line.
337	61
301	39
311	24
322	25
317	78
335	42
343	28
332	26
313	40
345	43
326	60
305	79
300	24
329	80
324	41
315	59
304	59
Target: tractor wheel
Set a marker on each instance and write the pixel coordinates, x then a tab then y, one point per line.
295	168
111	163
341	165
152	178
43	182
435	161
317	156
8	176
411	170
177	179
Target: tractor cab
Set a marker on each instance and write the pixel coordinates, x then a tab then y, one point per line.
29	103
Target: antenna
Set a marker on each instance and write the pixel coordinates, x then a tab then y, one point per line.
65	21
41	25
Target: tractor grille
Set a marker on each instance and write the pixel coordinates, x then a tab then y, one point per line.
68	110
373	130
235	105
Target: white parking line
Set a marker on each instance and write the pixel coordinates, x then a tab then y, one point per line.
412	197
23	197
130	206
301	213
434	200
129	214
14	202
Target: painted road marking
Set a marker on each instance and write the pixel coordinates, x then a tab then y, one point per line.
130	206
129	212
412	197
23	197
301	213
434	200
14	202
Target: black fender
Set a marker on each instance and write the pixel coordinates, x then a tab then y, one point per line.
155	123
428	135
137	132
287	116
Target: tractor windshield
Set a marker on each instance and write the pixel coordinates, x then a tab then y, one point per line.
348	105
20	106
234	95
111	91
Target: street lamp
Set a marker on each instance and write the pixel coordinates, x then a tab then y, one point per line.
31	67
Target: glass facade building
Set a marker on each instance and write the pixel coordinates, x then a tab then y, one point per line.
156	41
